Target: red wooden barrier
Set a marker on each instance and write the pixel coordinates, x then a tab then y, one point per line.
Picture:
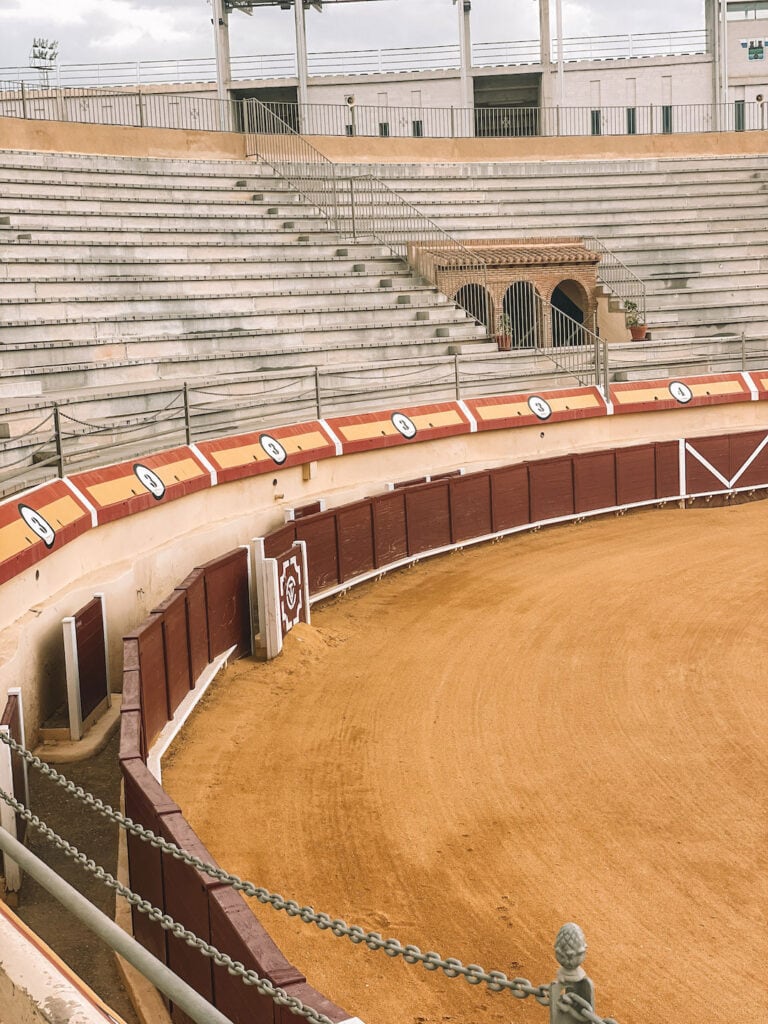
227	603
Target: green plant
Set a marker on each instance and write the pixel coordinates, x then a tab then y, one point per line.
632	314
505	324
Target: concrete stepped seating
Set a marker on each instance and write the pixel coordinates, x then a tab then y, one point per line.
121	272
694	229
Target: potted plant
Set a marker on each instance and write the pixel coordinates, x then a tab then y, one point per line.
504	334
635	320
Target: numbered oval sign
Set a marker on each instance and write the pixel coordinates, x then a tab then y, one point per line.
38	524
539	407
680	392
150	480
273	448
403	425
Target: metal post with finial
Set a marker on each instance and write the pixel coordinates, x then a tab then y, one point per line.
570	950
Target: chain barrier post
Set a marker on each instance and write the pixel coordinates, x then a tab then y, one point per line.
457	375
317	393
58	439
743	352
571	978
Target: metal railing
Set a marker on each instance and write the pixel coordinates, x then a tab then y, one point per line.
175	110
370	61
356	206
72	436
616	276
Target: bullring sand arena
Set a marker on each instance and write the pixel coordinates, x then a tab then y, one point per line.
567	725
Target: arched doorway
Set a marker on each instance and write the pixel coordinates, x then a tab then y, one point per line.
475	299
569	303
521	315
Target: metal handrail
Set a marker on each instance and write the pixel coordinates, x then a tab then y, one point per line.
616	275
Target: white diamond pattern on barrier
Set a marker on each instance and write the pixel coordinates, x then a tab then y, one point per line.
291	593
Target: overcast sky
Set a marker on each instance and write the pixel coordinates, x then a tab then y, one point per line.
100	31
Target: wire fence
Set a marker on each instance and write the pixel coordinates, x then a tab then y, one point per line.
547	350
368	61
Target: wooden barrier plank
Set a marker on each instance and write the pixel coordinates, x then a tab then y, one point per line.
594	481
635	474
197	621
717	452
428	515
354	525
176	647
743	448
319	533
279	541
667	469
310	997
11	717
551	484
470	498
91	657
152	679
510	497
236	929
390	535
227	603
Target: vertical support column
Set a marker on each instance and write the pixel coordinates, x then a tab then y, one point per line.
302	62
465	47
712	23
223	66
560	60
545	34
7	814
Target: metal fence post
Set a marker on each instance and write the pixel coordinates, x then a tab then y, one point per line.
187	416
23	100
571	980
352	208
58	439
457	376
318	401
743	352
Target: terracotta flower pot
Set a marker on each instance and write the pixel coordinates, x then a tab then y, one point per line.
504	341
638	331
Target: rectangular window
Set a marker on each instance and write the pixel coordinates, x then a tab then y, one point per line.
739	111
384	129
666	119
595	122
418	129
631	120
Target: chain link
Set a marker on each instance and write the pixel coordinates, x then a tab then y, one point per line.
473	974
248	977
580	1009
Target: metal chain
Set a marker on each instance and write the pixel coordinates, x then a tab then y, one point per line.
473	974
248	977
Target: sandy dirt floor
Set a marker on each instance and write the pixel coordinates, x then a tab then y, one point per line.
568	725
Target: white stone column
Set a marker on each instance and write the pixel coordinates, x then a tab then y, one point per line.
545	33
302	62
465	45
223	68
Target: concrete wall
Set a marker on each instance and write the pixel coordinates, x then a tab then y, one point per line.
65	137
752	75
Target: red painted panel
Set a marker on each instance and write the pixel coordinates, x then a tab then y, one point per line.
428	516
355	533
594	481
152	679
310	997
197	621
146	802
635	474
510	502
176	643
319	532
130	487
667	469
308	510
236	929
743	447
717	452
499	412
280	540
58	517
227	603
186	900
91	656
268	451
362	432
470	506
11	717
390	533
551	484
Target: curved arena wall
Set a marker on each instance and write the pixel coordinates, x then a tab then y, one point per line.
506	463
